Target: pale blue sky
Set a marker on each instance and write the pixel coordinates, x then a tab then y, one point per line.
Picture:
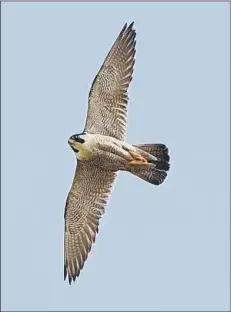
159	248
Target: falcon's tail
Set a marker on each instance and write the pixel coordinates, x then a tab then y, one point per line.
155	170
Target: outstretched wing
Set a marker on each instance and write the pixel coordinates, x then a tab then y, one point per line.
84	207
107	106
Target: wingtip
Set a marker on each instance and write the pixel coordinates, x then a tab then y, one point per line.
65	272
131	30
127	27
131	25
123	29
65	275
70	278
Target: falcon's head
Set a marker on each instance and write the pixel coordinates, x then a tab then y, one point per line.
76	142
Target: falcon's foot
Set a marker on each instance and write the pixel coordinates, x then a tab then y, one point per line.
137	159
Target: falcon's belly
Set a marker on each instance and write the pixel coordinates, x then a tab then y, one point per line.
111	155
105	152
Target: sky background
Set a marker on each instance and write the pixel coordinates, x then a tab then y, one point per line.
159	248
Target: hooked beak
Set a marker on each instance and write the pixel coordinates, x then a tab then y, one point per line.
73	144
71	141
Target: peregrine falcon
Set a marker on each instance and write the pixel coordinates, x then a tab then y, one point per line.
101	151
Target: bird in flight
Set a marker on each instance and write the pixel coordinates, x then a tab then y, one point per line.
101	151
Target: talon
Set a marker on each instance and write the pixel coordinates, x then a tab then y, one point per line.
138	159
137	162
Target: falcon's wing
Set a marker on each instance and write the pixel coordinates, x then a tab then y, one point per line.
107	105
84	207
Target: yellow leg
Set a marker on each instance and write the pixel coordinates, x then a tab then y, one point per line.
138	159
137	162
